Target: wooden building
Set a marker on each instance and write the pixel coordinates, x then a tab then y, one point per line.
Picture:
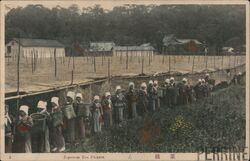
101	48
172	45
144	49
39	48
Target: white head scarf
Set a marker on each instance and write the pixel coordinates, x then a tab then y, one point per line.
55	100
107	94
118	88
96	97
79	95
144	85
24	108
131	84
167	80
150	82
184	79
71	94
42	104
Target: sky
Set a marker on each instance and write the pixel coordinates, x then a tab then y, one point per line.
106	4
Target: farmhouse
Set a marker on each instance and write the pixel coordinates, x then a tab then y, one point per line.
144	49
39	48
101	48
172	45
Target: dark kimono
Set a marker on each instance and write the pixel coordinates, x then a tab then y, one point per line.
173	94
57	138
79	123
96	110
131	98
166	95
22	139
107	112
185	94
152	98
142	103
9	133
69	126
119	104
198	88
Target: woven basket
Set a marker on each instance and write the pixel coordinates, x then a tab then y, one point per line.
39	121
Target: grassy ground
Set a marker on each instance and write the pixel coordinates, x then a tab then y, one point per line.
44	75
218	121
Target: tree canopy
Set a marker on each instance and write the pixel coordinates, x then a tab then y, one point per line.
128	24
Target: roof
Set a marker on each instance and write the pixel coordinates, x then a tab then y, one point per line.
172	40
102	46
39	43
143	47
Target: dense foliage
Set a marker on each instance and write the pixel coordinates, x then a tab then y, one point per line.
216	122
129	24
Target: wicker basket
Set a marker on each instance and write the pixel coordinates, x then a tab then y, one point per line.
84	109
39	121
68	111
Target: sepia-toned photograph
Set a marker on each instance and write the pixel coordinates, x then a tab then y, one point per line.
132	78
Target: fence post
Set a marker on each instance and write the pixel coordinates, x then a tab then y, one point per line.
18	71
102	59
32	63
121	57
214	62
169	63
109	69
148	59
139	58
193	64
55	61
222	62
131	54
72	76
142	66
206	57
127	58
94	64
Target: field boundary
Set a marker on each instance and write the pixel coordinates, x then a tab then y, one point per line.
117	77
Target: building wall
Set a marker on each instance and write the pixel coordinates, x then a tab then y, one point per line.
134	53
40	52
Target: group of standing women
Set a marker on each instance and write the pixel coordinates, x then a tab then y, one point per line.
67	123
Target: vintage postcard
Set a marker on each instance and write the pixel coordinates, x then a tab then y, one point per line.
124	80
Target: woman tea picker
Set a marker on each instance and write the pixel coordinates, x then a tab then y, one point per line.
70	115
79	122
142	102
119	103
9	130
22	138
107	110
57	138
96	110
131	98
152	95
40	135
